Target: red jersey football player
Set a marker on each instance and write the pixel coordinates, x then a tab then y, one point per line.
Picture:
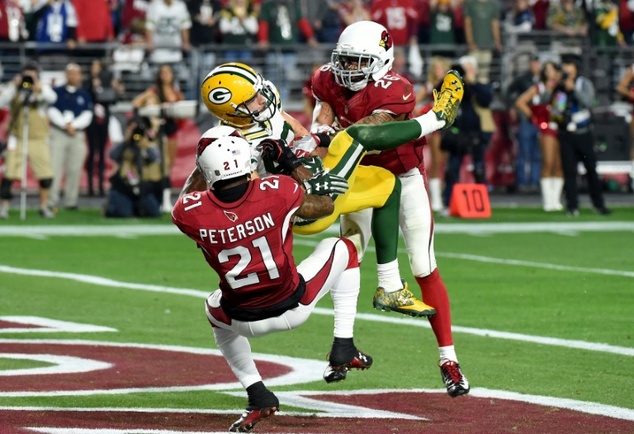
357	86
243	227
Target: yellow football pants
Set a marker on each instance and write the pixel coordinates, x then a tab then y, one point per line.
368	186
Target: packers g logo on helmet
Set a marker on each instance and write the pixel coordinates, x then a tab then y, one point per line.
228	87
220	95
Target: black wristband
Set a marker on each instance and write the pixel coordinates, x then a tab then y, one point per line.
324	140
288	161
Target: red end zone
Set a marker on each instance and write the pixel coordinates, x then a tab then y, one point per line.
341	411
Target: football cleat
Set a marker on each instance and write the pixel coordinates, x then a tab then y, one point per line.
455	381
339	372
447	101
402	301
251	417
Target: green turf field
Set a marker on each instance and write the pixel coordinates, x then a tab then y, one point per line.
542	304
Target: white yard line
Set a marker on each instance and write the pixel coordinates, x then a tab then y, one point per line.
482	228
96	280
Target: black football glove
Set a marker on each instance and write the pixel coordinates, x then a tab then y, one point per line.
279	151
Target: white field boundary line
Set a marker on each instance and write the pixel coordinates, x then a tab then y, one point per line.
324	408
96	280
130	231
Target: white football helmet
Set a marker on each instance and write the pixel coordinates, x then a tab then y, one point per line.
223	153
364	51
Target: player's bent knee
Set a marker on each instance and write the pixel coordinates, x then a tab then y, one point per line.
353	256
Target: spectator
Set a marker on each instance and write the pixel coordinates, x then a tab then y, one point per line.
352	11
56	32
105	90
26	96
520	19
625	88
12	29
540	12
528	158
70	115
626	21
281	22
94	24
137	178
116	12
399	17
133	21
423	25
438	157
458	11
328	24
534	104
167	31
442	30
238	26
467	135
605	29
165	90
204	33
483	15
572	99
564	17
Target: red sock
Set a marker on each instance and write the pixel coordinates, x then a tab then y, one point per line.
435	294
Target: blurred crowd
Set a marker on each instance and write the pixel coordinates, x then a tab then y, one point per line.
167	24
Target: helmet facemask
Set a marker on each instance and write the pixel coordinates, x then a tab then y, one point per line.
348	76
270	103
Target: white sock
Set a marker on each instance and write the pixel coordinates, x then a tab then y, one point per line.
429	123
557	185
545	185
447	353
237	352
345	294
435	191
389	276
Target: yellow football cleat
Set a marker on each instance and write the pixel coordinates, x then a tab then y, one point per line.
402	301
447	101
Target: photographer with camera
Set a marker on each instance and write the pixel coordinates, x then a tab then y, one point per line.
466	136
27	98
570	110
136	185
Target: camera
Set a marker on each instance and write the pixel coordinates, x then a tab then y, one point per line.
27	82
142	129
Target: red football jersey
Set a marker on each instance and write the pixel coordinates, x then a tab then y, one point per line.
399	17
392	93
249	243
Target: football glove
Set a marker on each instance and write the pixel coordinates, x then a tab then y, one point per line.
303	146
278	151
314	164
325	183
329	130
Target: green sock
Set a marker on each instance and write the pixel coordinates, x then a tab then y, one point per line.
385	136
385	226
